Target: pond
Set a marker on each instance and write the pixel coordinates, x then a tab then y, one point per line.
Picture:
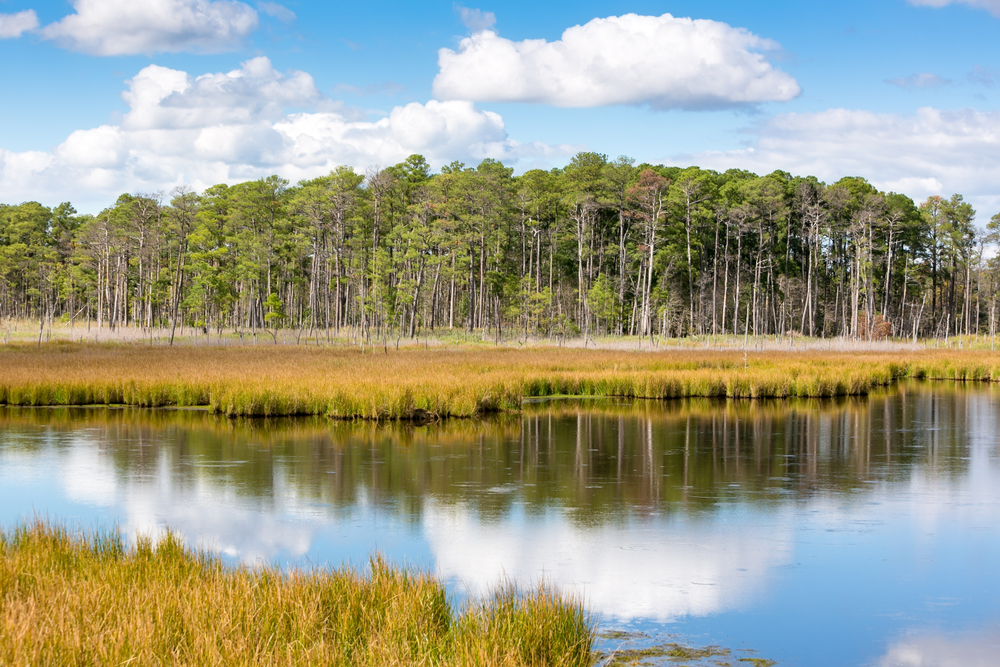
860	531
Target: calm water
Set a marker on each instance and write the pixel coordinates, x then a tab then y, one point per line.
852	532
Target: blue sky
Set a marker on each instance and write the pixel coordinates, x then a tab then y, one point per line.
108	96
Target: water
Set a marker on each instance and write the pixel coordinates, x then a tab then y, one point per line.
850	532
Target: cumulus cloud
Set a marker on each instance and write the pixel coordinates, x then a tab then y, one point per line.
992	6
14	25
930	152
922	80
476	20
163	98
244	124
102	147
128	27
660	61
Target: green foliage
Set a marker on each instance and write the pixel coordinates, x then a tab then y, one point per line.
641	250
275	309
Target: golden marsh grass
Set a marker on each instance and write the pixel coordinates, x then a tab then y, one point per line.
413	383
90	600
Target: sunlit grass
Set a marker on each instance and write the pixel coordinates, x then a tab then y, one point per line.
90	600
419	384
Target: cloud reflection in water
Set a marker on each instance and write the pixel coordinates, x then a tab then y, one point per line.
659	571
936	649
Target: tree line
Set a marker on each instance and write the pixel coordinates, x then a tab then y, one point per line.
601	247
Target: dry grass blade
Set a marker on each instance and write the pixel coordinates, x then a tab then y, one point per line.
426	384
88	600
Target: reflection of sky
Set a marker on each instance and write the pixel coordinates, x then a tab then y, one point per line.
938	649
657	569
79	485
832	578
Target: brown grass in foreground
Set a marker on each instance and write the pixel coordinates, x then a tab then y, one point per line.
410	383
88	600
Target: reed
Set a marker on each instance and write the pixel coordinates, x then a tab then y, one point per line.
91	600
418	384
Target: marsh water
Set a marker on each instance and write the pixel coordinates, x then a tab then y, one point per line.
859	531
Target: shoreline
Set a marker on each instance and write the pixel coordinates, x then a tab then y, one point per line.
424	385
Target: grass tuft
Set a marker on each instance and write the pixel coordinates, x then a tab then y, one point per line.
90	600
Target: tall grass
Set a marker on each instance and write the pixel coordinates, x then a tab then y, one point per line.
90	600
408	384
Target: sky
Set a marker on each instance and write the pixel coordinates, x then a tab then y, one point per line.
102	97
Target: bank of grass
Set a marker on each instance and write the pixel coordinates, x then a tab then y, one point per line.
91	600
417	384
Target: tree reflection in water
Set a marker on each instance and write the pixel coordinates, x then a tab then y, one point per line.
608	460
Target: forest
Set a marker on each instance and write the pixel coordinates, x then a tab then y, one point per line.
598	248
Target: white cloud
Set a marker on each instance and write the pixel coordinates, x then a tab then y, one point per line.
101	147
922	80
163	98
660	61
476	20
244	124
992	6
930	152
128	27
14	25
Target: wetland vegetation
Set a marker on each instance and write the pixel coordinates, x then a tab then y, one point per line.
423	384
89	599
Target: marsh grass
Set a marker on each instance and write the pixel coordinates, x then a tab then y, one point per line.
91	600
428	384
